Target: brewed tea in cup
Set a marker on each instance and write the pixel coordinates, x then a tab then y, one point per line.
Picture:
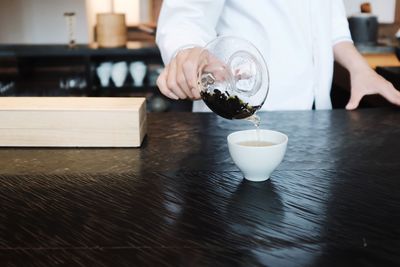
257	153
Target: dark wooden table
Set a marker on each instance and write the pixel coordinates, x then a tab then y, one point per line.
180	201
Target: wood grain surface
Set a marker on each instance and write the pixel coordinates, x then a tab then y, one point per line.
72	121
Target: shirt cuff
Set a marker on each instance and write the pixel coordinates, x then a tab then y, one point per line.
341	39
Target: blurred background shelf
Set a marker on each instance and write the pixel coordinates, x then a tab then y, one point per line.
133	48
57	70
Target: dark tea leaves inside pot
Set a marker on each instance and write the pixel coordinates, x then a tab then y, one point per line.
227	106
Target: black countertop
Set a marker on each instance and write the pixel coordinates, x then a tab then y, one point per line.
180	201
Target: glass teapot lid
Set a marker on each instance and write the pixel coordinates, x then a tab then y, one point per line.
233	77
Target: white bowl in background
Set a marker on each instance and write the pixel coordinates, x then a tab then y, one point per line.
138	72
104	73
119	73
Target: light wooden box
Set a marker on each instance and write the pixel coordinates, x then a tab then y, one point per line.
72	121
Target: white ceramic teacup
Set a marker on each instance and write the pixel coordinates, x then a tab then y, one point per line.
257	162
104	73
138	72
119	73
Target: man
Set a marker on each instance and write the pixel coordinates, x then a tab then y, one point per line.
299	40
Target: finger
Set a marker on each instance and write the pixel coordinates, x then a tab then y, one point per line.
196	93
182	82
391	94
354	101
181	63
171	81
190	67
162	85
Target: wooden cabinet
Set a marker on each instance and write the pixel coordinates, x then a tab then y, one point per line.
375	60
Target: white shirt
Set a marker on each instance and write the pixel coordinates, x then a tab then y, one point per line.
296	38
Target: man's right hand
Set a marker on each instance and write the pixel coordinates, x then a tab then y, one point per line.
178	80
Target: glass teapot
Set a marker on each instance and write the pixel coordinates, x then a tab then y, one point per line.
232	77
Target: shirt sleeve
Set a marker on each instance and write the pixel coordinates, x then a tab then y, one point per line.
340	24
184	23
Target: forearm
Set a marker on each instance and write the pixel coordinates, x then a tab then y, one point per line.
348	56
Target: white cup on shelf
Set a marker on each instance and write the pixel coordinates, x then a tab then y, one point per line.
119	73
138	72
104	73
